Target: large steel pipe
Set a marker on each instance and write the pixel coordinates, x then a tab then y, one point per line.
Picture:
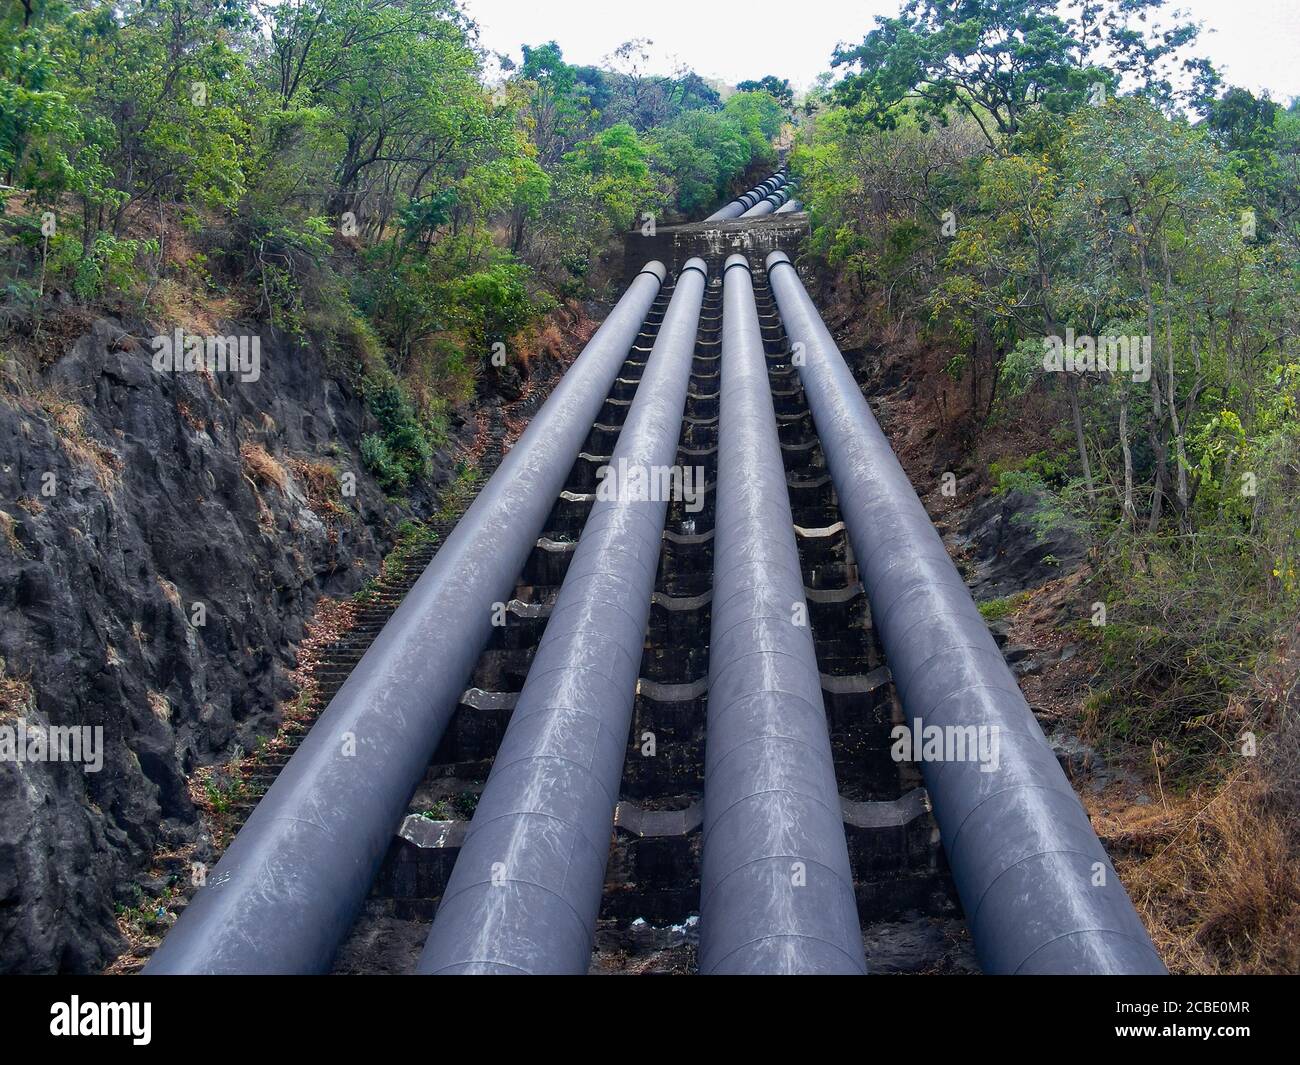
1039	892
768	203
734	209
789	206
288	888
525	891
741	204
776	890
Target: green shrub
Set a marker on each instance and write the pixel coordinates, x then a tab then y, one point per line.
379	459
400	452
1190	624
997	609
1034	473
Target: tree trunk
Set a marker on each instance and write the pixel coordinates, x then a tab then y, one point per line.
1180	444
1080	439
1155	432
1130	510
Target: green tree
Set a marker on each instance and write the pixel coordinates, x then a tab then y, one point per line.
612	169
777	88
996	61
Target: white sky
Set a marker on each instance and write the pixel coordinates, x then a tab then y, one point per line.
1255	43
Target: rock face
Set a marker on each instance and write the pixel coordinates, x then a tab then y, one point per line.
1010	550
135	503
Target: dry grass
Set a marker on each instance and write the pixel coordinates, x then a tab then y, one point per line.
170	591
320	481
194	421
197	311
17	699
7	527
68	418
560	335
160	705
261	467
1216	872
1213	866
183	297
1215	875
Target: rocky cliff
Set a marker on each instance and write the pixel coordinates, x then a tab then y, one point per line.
164	536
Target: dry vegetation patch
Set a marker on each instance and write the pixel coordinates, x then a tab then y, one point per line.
1212	862
1215	874
7	531
16	696
68	419
320	481
261	467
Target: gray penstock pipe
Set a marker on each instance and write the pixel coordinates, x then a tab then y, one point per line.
768	203
525	892
1039	891
288	888
776	890
741	204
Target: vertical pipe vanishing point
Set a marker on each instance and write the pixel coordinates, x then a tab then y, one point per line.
776	890
525	891
288	888
1038	889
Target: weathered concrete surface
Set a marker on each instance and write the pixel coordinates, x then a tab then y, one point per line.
714	241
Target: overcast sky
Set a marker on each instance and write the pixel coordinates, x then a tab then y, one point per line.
1256	43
